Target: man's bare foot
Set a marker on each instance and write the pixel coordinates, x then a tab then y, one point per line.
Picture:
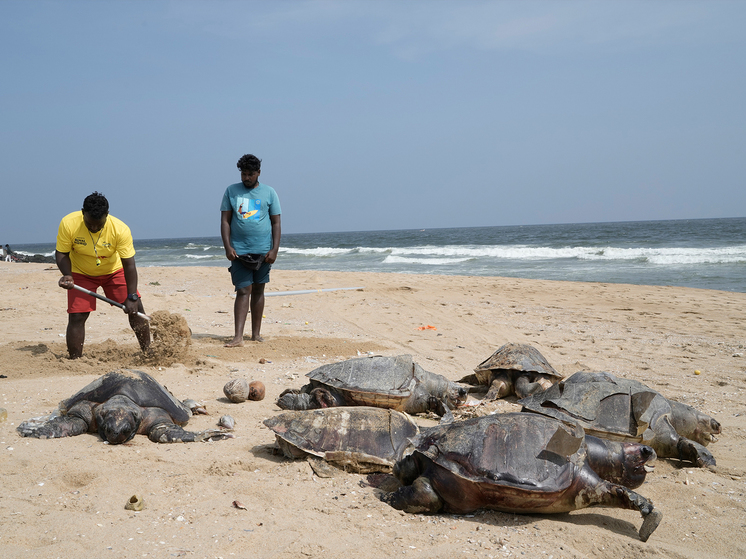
235	343
257	339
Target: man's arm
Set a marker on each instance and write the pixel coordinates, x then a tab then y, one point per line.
130	276
225	234
66	268
276	234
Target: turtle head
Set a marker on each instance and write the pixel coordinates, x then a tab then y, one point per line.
622	463
118	419
693	424
324	398
456	395
441	402
406	470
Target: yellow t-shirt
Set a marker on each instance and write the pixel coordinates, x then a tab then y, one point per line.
112	243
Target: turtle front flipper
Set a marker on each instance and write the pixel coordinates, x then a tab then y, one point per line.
695	453
78	419
420	497
172	433
501	386
619	496
52	427
525	384
294	400
649	524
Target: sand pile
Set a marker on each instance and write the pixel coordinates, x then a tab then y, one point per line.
171	339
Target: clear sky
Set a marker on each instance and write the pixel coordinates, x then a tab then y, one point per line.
372	114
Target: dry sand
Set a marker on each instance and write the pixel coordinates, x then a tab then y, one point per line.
66	497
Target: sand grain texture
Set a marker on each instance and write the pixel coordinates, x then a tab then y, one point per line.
66	497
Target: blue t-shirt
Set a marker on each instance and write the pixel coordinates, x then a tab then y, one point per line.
251	228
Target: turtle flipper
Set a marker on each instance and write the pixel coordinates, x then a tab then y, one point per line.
52	427
695	453
524	387
619	496
650	523
214	435
420	497
501	386
294	400
172	433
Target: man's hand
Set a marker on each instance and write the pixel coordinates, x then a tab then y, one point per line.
271	256
230	253
66	282
131	307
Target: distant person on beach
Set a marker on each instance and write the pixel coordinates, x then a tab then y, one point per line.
95	249
6	253
250	229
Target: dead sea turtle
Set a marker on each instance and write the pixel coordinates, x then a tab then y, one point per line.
384	382
513	369
119	405
361	439
365	439
616	408
513	462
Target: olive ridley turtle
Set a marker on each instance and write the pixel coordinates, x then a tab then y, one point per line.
119	405
385	382
514	462
513	369
623	409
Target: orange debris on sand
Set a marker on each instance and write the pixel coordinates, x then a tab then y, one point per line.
428	327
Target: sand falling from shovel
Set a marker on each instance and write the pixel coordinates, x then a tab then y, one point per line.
171	338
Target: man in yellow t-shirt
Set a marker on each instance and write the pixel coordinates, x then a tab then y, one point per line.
94	249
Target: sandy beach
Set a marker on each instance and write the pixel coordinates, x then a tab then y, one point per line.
66	497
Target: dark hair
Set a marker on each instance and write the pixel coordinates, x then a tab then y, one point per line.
96	205
250	163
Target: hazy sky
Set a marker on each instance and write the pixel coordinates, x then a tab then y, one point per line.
372	114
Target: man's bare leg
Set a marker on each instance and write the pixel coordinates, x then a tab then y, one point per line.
76	333
240	311
257	310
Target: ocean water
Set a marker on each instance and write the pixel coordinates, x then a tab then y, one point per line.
702	253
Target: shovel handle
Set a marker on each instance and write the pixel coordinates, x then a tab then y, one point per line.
110	301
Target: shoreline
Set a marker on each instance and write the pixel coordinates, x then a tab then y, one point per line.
658	335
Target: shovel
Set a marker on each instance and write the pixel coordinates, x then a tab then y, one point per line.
97	296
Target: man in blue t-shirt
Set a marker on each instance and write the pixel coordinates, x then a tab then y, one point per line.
250	228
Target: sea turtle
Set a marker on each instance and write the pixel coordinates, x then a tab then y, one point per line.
513	462
361	439
513	369
384	382
117	406
617	408
365	439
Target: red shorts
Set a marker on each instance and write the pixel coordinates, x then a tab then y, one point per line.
115	288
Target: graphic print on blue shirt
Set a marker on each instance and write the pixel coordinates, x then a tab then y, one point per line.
248	208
